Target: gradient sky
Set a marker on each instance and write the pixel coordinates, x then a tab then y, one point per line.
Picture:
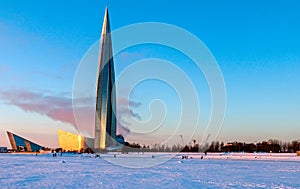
255	43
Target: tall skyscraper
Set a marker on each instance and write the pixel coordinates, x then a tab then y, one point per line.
105	123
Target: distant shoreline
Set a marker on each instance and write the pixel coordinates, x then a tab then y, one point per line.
250	156
189	156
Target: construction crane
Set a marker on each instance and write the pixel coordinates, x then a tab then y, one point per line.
207	138
181	137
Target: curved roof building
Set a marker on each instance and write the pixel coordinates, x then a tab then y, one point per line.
20	144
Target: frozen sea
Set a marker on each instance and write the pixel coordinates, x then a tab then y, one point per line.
86	171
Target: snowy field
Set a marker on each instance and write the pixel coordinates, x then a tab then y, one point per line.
214	171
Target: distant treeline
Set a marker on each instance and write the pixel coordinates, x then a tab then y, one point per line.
275	146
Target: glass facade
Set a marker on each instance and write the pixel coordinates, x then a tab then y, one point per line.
105	123
21	144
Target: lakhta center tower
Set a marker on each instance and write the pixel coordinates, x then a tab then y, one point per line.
105	119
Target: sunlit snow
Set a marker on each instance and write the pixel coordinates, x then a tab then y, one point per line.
87	171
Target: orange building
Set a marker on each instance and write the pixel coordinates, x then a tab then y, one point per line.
73	142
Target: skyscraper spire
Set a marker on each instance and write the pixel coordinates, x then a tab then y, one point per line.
105	123
106	24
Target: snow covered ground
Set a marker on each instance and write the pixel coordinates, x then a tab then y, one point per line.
86	171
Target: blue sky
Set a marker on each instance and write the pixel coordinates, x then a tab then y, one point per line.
256	45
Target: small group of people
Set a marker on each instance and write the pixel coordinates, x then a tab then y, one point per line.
187	157
54	154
